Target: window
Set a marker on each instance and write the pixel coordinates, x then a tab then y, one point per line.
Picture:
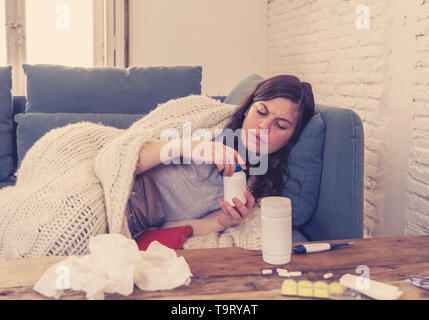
60	32
3	60
82	33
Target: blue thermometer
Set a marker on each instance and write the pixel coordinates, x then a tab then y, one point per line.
318	247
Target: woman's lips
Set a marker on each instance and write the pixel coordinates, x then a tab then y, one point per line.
257	137
254	142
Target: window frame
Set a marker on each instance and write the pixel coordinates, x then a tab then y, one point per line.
15	42
117	33
110	37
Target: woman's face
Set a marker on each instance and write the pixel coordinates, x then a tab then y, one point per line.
278	117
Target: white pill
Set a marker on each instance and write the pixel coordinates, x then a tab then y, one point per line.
328	275
281	270
283	273
267	271
295	274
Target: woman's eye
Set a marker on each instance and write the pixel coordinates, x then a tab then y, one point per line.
261	110
281	127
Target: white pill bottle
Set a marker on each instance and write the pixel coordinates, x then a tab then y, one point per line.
234	186
276	220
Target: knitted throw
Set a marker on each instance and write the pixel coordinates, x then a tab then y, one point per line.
75	182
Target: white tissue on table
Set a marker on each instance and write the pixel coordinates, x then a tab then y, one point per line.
161	269
113	266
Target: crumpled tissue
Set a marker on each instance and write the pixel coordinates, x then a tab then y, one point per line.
114	265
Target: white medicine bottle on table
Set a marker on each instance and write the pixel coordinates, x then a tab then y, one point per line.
276	220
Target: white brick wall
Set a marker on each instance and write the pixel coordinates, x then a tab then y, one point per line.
318	41
417	213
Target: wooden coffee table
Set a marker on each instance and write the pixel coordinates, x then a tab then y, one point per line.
235	274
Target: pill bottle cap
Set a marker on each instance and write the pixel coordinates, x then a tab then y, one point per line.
276	207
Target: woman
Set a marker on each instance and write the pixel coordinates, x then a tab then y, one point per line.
271	119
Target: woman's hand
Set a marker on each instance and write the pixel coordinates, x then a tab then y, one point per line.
224	157
218	220
230	215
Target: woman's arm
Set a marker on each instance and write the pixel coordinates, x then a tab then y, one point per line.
201	227
219	220
150	156
224	157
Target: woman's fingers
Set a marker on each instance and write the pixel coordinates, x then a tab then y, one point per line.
230	211
240	160
250	199
231	158
233	212
223	219
231	170
242	209
229	161
226	170
233	215
224	157
220	167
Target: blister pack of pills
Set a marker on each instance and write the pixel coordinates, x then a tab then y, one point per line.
319	290
420	282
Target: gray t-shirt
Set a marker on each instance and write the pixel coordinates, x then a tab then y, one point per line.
173	192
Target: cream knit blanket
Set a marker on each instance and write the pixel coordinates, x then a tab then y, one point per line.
75	182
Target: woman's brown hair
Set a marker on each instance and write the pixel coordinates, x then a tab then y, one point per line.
285	86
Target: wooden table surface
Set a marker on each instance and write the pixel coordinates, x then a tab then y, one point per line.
235	274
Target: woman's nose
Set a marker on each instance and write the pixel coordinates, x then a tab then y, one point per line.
265	124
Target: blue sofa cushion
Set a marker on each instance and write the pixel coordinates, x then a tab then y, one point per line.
339	213
32	126
243	88
305	159
8	183
305	165
135	90
18	107
6	123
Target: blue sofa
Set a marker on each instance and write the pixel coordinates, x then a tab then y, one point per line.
327	160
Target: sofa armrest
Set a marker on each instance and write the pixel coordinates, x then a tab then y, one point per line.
339	212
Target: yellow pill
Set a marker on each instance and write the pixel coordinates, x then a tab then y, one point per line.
321	289
336	289
305	288
289	288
